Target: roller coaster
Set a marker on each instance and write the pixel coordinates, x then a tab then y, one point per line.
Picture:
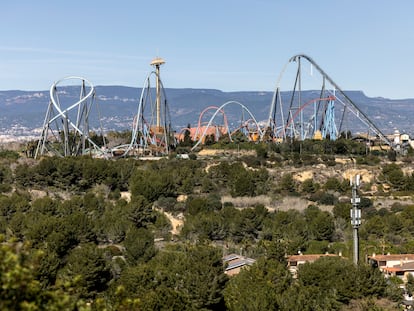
66	127
245	125
152	132
327	114
314	108
65	130
294	115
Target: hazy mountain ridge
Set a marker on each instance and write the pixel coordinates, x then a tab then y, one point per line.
118	105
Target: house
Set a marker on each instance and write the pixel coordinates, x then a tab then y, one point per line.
402	270
234	263
388	261
295	260
400	265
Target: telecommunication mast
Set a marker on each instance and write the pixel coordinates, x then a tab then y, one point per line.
355	214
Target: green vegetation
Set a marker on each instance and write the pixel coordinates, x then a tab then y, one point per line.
93	234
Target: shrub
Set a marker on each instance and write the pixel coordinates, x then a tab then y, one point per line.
327	199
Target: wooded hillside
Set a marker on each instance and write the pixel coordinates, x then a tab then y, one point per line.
80	233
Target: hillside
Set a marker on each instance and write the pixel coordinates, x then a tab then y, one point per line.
118	231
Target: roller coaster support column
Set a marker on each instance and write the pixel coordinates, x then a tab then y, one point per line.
355	214
329	127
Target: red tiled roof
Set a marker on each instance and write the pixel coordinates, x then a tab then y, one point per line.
392	269
392	257
408	266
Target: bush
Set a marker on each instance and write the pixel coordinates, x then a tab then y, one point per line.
328	160
333	184
370	159
327	199
9	154
308	186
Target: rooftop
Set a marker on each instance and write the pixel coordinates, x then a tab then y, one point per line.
392	257
310	257
408	266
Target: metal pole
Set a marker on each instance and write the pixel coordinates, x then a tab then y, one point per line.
355	215
356	246
157	95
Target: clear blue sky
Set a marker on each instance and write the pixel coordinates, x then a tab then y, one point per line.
222	44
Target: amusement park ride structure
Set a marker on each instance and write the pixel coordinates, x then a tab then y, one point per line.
292	115
152	132
66	127
331	109
251	134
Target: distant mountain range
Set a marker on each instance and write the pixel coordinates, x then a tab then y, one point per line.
23	112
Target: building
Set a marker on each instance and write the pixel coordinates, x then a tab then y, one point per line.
197	132
388	261
234	263
401	271
399	265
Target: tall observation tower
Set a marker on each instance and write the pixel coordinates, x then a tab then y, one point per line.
152	132
157	62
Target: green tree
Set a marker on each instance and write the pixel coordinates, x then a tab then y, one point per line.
342	210
87	269
204	281
19	289
140	212
249	223
187	141
289	228
409	286
139	245
309	186
330	275
114	223
261	151
242	184
45	205
195	205
190	276
148	286
333	183
152	184
393	174
340	279
322	227
371	282
320	224
48	267
288	183
308	298
204	225
375	226
258	287
5	178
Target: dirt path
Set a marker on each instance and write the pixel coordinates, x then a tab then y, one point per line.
177	223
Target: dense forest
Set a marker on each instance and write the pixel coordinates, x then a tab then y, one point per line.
80	233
